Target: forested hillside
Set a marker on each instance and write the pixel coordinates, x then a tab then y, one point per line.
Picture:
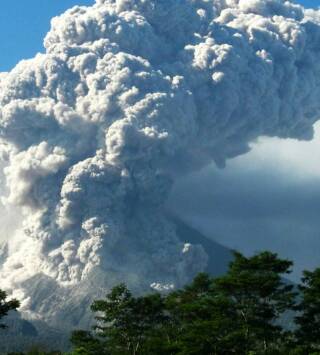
241	312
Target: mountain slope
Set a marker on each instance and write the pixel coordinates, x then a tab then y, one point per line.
23	333
219	256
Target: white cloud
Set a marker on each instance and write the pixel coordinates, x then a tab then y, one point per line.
294	160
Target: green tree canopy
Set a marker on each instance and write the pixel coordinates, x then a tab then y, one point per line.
234	314
125	323
260	296
6	306
308	320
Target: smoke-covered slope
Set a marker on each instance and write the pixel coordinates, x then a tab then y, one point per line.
55	334
219	256
129	95
22	335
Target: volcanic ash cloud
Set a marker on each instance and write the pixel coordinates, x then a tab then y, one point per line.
128	96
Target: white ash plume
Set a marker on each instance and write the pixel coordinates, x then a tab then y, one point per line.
129	95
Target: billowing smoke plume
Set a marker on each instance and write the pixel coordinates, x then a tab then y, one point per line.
129	95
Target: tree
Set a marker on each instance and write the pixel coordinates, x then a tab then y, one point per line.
308	321
234	314
6	306
35	350
260	296
125	323
204	321
86	344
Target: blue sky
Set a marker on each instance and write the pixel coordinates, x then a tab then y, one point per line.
23	25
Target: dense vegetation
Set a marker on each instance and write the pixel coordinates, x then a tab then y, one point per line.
6	306
250	310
